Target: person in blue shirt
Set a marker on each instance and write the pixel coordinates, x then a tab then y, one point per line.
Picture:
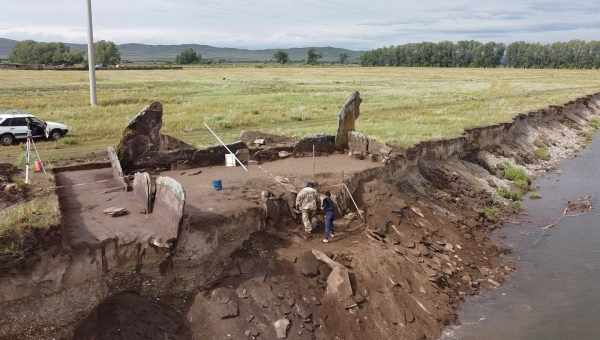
329	209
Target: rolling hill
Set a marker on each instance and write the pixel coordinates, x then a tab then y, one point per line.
143	52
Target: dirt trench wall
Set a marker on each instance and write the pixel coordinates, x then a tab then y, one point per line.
574	112
48	300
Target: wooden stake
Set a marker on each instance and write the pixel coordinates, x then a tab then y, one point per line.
353	201
314	165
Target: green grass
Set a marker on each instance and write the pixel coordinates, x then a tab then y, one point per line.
521	182
517	175
401	105
595	123
491	214
39	211
535	195
513	195
542	153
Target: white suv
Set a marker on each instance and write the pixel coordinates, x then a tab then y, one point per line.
15	125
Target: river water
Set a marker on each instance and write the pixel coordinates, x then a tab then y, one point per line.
555	292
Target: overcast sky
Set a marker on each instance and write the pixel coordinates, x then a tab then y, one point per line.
355	24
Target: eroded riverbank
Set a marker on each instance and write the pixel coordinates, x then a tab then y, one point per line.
553	293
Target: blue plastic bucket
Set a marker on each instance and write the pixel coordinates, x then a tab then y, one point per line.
217	184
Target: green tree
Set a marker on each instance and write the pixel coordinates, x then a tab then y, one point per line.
188	56
312	57
344	58
573	54
107	53
31	52
281	57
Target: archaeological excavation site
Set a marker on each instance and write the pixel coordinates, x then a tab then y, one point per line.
161	240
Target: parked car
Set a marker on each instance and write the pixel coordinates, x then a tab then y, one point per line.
15	126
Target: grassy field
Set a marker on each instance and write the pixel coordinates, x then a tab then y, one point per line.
401	105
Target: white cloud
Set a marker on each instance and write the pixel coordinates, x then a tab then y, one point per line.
286	23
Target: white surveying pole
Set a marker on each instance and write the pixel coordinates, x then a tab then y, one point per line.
91	55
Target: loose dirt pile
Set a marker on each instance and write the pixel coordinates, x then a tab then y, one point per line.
415	259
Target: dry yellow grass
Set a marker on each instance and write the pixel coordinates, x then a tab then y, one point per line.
401	105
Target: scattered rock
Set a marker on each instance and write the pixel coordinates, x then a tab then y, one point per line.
281	328
225	303
338	282
303	311
409	317
494	283
309	265
350	216
252	333
10	188
578	207
242	293
116	212
417	211
381	230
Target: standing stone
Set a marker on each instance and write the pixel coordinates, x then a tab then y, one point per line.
142	136
117	170
347	118
168	208
141	191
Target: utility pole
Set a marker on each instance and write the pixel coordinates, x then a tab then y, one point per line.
91	55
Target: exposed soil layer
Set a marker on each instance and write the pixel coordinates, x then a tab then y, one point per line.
129	316
241	268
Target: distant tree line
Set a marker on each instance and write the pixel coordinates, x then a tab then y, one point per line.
32	52
572	54
312	57
575	54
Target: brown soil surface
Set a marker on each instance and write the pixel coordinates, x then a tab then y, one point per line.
84	195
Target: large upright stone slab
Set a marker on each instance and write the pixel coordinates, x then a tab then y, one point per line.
168	208
117	170
142	187
141	137
347	118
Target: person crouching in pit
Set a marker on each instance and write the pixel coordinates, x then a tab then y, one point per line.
329	210
308	202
